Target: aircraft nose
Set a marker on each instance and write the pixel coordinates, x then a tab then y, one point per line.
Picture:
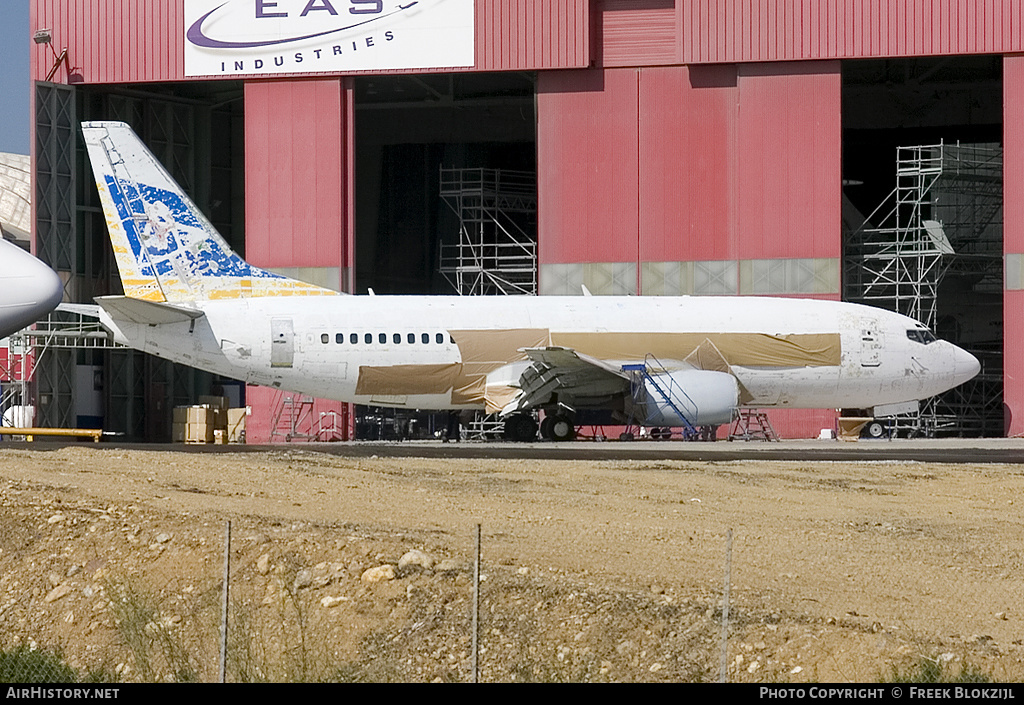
33	288
42	287
965	365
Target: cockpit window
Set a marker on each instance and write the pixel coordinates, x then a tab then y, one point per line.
919	335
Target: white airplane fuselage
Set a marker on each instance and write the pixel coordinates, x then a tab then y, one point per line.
682	361
323	343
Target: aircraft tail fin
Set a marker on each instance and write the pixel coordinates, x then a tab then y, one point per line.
166	249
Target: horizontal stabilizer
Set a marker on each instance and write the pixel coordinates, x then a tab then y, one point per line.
90	310
150	313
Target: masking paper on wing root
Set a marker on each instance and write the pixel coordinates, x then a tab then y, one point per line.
498	396
484	351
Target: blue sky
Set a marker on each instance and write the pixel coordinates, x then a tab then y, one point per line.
14	84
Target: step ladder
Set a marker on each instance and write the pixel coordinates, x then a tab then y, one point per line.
669	392
290	414
752	425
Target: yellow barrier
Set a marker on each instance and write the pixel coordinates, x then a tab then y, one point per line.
29	433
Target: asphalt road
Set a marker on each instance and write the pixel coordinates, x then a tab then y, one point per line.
949	450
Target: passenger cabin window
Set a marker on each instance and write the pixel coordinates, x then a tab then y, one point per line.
412	338
425	338
919	335
353	338
324	338
440	338
368	338
339	338
383	338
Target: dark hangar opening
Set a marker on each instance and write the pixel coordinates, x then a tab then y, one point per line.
407	128
922	214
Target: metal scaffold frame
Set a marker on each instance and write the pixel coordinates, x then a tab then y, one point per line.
496	252
942	220
497	248
29	350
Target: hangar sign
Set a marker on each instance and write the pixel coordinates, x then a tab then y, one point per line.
229	37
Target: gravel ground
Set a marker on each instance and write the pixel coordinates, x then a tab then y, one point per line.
593	570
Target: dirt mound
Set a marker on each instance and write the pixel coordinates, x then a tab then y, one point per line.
592	571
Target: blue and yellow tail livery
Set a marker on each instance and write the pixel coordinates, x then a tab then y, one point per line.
166	249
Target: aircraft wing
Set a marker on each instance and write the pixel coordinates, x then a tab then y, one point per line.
567	374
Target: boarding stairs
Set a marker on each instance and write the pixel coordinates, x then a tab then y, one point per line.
673	395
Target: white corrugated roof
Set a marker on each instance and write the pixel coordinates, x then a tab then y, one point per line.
15	194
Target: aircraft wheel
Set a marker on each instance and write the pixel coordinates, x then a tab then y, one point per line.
625	436
661	434
545	428
520	428
875	429
562	428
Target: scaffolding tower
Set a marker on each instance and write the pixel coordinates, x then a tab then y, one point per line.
932	250
497	248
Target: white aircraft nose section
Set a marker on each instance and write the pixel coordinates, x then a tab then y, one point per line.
965	366
30	289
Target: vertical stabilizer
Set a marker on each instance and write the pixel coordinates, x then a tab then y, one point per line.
166	249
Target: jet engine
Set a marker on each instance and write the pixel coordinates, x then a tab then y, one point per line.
702	397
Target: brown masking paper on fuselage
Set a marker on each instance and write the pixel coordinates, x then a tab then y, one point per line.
407	379
744	349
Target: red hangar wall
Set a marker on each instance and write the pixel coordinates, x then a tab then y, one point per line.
682	146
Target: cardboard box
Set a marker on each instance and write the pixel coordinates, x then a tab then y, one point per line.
198	433
236	425
200	415
214	402
199	428
220	437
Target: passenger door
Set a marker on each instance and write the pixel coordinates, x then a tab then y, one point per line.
870	347
282	342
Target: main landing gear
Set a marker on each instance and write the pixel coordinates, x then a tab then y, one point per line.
521	428
554	427
558	427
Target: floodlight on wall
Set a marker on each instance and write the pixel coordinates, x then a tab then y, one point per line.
45	36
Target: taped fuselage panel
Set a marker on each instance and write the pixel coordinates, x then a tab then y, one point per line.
406	379
743	349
